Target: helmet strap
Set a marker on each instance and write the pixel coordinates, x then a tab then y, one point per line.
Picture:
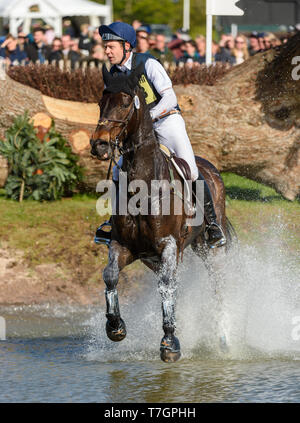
124	53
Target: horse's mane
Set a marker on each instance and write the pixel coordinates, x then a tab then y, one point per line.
120	82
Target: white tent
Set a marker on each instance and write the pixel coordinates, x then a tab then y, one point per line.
21	12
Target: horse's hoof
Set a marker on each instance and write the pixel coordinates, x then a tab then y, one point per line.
116	334
170	349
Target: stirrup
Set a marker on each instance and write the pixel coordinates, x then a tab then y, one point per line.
100	237
218	242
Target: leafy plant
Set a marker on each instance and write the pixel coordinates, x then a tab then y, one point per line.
38	170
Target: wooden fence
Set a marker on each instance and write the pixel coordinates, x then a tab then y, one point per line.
66	65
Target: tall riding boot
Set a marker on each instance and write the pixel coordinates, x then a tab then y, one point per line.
214	233
104	237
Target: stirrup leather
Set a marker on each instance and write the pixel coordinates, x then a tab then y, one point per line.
103	237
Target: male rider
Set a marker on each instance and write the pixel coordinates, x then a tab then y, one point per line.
119	40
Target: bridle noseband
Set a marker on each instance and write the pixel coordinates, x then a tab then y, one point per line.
115	144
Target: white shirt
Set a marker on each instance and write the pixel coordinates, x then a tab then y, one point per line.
162	83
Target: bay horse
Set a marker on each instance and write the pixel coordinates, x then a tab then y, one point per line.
157	240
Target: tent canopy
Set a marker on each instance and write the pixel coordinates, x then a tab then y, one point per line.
22	11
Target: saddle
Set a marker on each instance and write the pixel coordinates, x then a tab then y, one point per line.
183	170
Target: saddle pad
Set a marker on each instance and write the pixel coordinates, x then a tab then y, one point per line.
181	166
185	171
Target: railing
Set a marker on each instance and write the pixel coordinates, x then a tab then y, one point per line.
66	65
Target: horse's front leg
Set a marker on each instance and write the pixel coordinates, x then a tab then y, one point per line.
169	346
119	257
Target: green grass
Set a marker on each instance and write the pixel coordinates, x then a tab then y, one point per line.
63	231
258	211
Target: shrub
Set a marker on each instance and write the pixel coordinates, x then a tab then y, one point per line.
38	170
87	86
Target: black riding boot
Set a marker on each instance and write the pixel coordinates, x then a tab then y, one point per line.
104	237
214	233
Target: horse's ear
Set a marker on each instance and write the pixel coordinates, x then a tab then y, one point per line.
107	76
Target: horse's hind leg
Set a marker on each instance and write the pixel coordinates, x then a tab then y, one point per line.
119	257
169	346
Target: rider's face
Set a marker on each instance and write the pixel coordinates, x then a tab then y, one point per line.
114	51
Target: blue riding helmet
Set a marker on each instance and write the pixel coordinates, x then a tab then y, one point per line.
118	31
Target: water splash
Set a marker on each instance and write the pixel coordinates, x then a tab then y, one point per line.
254	303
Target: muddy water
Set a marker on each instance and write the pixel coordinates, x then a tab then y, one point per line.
61	354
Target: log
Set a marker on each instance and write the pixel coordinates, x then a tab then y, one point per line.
248	123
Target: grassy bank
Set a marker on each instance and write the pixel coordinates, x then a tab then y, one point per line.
62	231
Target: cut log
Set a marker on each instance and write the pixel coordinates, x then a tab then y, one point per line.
80	140
41	119
248	123
3	171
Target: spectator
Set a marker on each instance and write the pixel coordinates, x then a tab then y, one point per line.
221	51
177	48
160	50
85	41
240	51
68	52
38	50
191	54
253	44
201	46
49	34
11	52
271	40
142	38
56	52
22	41
136	24
68	28
97	57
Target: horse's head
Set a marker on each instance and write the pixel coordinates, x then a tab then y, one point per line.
120	107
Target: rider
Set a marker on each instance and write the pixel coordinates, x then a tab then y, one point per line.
119	41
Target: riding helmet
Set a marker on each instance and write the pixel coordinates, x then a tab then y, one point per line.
118	31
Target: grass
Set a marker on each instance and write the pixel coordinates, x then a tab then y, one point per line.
63	231
257	211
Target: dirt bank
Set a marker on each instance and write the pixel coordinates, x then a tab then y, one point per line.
51	283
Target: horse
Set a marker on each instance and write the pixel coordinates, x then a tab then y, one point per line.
158	240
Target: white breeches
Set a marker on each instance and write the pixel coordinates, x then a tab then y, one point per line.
171	132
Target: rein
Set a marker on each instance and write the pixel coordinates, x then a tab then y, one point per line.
116	142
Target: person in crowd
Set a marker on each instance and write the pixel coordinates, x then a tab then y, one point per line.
97	56
191	54
201	47
142	37
85	40
22	41
11	52
136	24
49	34
271	40
177	47
38	50
160	49
56	51
240	51
68	28
253	44
68	52
222	53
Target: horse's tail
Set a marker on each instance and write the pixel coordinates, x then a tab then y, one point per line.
231	235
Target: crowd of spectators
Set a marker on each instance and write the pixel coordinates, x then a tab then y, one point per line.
42	45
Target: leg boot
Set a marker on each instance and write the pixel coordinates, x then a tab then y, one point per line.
214	233
104	237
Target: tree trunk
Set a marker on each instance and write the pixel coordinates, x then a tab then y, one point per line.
247	123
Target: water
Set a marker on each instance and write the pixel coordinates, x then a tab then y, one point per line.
62	354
